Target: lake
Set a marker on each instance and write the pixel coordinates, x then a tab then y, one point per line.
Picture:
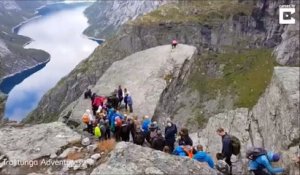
60	34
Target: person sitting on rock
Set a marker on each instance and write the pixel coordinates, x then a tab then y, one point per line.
261	161
88	93
170	134
202	156
174	43
158	142
185	138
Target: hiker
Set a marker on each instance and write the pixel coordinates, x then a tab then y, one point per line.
88	93
107	132
184	137
152	132
98	103
179	151
103	129
120	95
145	125
113	101
202	156
129	102
170	134
139	137
230	145
260	161
158	142
174	43
167	150
93	96
125	131
131	125
88	119
125	98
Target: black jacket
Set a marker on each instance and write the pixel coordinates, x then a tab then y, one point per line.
158	143
186	140
227	147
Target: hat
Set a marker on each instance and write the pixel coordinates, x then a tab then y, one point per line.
88	111
146	116
275	157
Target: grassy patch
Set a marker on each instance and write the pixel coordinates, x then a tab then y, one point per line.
200	11
245	75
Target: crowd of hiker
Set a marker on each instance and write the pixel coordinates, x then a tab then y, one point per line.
112	117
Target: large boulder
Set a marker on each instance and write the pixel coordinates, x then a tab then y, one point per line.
2	105
29	143
145	74
128	158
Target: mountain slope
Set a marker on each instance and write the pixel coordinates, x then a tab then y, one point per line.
104	23
11	45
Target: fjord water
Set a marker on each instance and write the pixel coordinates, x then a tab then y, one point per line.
59	34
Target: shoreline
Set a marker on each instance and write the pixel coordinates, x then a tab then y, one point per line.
16	28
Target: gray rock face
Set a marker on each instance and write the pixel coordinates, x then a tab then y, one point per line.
143	74
272	123
106	17
128	158
2	105
29	143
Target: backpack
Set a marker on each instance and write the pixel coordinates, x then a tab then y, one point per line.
236	145
189	151
223	167
118	122
85	118
97	132
139	138
254	153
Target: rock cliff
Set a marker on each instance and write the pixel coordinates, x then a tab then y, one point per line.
11	45
128	158
106	17
229	73
2	105
273	123
145	74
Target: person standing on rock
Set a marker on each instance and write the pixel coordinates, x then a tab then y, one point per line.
120	95
174	43
170	134
88	94
125	98
88	119
226	146
185	138
158	142
129	102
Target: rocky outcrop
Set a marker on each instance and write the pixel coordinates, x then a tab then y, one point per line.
273	122
145	74
30	143
2	105
106	17
128	158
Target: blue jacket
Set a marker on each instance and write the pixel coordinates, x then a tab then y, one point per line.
179	151
263	162
145	125
129	100
202	156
